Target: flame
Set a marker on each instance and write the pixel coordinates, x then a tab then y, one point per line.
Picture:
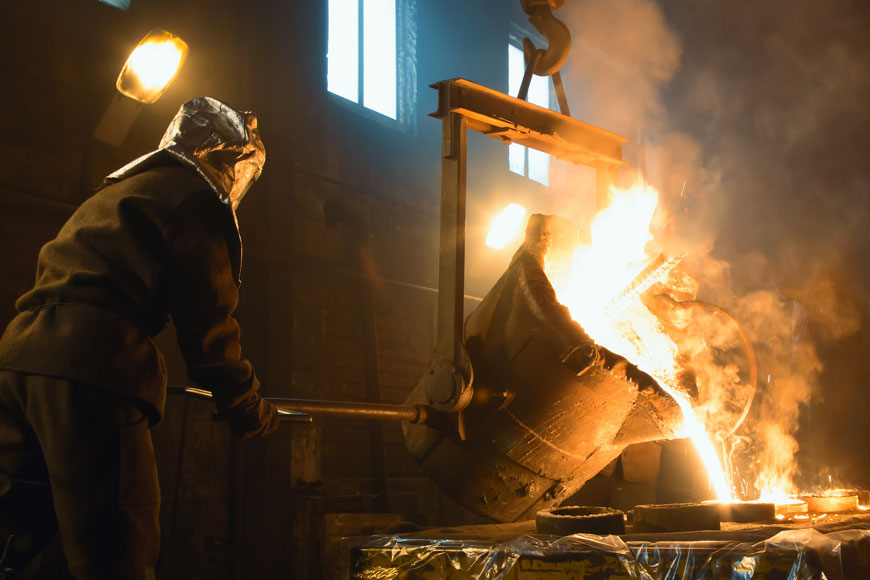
505	226
610	309
775	481
616	255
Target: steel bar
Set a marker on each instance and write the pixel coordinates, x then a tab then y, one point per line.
285	415
302	409
560	94
352	410
533	60
451	266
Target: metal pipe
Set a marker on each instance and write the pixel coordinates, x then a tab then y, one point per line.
382	411
284	415
300	410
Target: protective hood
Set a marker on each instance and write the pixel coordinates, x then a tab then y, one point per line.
222	144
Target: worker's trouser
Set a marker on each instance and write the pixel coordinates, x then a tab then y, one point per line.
78	459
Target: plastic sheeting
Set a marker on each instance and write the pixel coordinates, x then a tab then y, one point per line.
802	554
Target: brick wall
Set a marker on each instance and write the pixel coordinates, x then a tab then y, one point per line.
249	509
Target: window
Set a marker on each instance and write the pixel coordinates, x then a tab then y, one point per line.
528	162
370	55
122	4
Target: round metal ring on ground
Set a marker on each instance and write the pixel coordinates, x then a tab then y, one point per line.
676	517
831	503
568	520
791	506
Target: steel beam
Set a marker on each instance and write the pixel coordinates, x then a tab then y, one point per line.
515	121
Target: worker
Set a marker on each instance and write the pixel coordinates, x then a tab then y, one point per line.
81	382
526	281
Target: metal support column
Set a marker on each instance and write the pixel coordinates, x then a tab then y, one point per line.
451	266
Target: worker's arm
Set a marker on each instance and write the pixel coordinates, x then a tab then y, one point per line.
201	294
577	349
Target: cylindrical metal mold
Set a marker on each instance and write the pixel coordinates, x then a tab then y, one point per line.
841	501
676	517
569	520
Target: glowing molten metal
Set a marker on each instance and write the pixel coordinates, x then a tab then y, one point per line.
602	284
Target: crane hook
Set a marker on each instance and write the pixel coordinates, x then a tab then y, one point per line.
554	30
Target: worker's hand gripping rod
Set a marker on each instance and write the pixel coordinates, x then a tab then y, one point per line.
301	410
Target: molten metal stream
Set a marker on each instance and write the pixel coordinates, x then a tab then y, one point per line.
693	428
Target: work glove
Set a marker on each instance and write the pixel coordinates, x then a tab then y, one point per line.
253	417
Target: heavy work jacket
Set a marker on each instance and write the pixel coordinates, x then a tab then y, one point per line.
155	245
524	299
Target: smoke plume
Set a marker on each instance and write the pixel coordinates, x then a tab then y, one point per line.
751	120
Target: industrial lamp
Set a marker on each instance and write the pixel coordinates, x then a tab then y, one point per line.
148	72
152	66
505	226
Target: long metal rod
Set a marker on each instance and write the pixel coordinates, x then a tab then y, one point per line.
534	58
560	94
300	410
285	415
383	411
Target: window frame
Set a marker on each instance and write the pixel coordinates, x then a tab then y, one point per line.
406	73
515	39
123	5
